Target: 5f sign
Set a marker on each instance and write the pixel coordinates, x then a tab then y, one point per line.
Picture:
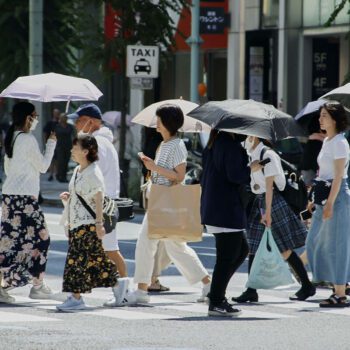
142	61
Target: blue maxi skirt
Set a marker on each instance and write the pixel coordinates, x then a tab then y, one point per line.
328	241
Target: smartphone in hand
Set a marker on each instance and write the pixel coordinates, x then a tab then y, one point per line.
265	161
143	156
306	214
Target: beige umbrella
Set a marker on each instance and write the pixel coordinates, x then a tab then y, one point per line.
147	117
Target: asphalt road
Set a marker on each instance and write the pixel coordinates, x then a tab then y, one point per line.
173	320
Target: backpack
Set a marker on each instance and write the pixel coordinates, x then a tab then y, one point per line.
295	192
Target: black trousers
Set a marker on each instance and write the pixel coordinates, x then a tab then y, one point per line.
231	250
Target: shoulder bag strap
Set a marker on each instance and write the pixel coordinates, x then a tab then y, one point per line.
86	206
262	153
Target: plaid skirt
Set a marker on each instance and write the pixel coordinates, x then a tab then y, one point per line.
287	230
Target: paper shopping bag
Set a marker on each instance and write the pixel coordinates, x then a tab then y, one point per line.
174	213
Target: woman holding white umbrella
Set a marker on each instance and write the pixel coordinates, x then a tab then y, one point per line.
24	239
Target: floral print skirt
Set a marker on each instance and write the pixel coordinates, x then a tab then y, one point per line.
87	265
24	240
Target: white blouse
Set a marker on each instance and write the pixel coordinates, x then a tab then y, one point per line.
335	148
24	168
86	183
273	168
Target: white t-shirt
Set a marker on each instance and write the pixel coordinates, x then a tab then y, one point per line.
335	148
87	184
273	168
169	155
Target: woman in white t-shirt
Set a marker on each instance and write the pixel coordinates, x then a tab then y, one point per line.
24	238
328	241
87	265
271	210
168	167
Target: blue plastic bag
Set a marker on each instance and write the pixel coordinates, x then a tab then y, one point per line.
269	270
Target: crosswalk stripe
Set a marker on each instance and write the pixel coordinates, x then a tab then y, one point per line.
9	317
130	314
169	304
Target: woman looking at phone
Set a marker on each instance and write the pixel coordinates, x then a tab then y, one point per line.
271	210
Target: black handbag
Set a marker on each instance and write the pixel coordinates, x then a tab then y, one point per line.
320	191
295	192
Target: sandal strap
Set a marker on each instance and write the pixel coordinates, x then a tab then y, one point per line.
335	299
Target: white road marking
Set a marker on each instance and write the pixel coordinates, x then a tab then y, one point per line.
9	317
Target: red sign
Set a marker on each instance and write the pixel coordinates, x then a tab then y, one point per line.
112	23
211	41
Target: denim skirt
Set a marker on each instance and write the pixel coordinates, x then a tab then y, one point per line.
328	241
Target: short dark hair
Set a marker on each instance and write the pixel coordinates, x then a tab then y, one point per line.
337	112
88	142
171	116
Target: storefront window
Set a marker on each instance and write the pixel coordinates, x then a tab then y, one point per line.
311	13
270	10
317	12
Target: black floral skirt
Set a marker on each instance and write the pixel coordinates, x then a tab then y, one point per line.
87	265
24	240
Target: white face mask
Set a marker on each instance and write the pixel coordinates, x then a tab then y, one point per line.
34	124
249	144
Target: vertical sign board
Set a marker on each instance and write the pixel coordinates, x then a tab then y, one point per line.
142	61
256	73
325	66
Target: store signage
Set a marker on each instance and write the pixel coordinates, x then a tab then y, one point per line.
142	61
212	20
325	67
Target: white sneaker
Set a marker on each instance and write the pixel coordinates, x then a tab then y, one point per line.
129	299
141	296
43	292
121	289
72	304
205	291
6	297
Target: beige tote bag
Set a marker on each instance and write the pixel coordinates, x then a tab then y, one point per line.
174	213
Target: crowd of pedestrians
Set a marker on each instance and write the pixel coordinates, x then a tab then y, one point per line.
230	163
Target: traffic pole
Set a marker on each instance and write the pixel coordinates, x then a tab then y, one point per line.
194	41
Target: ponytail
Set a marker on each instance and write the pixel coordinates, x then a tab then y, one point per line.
8	141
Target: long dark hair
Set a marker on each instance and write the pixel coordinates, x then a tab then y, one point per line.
20	111
215	132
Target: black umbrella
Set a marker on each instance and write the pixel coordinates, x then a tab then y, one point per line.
248	117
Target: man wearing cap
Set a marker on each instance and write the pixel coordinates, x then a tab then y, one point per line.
88	119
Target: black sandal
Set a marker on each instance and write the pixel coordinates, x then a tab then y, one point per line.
159	287
334	301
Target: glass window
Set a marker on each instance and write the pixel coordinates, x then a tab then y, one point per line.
270	11
311	13
326	8
343	16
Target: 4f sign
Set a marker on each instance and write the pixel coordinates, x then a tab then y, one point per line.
142	61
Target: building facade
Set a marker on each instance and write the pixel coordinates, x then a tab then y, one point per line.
281	52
